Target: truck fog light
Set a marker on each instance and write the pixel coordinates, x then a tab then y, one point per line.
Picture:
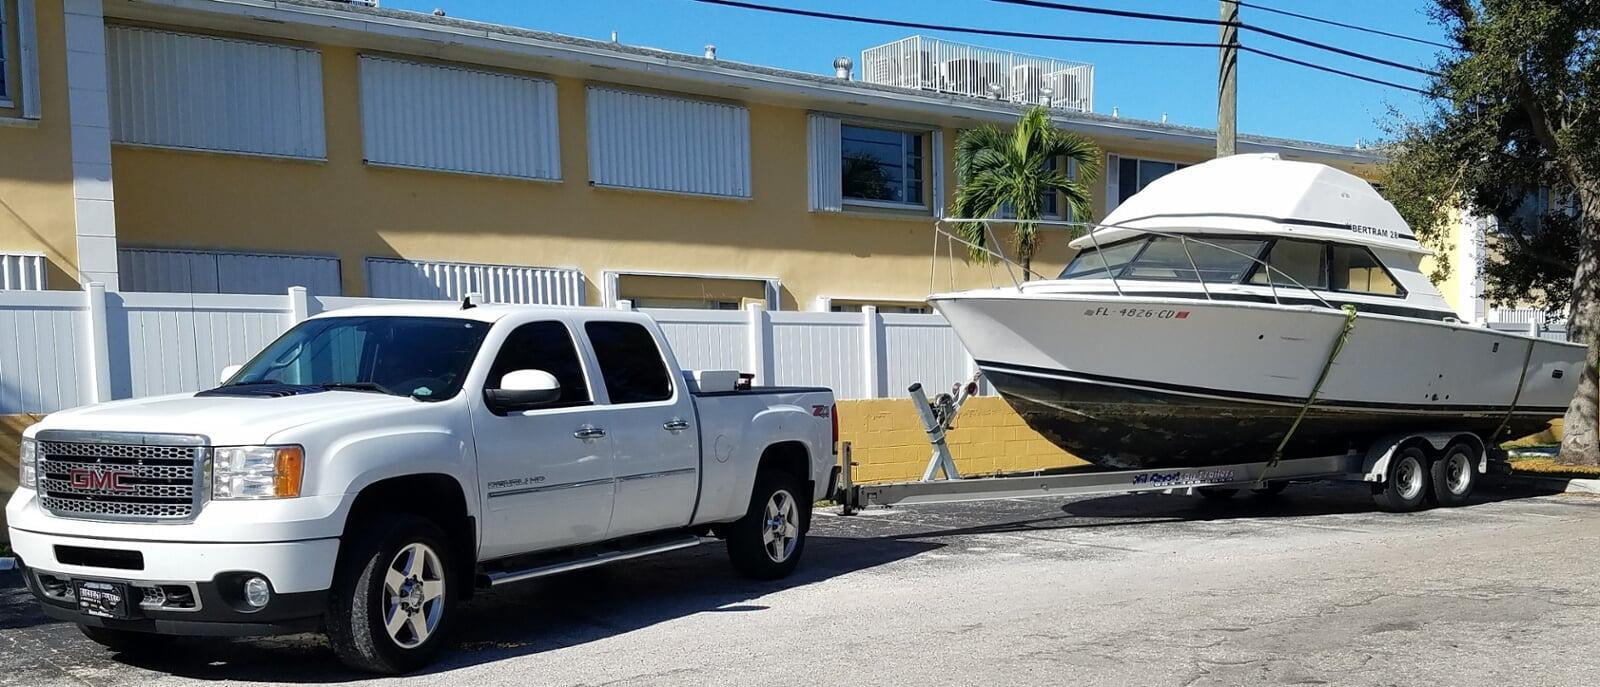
256	592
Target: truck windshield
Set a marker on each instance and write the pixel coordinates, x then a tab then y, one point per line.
426	358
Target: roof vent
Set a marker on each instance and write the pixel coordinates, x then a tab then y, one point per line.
711	51
841	68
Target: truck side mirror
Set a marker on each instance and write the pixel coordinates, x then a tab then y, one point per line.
523	390
228	373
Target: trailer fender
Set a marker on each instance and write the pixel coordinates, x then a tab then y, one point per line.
1376	466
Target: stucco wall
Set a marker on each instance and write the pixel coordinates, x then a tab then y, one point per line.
36	214
344	208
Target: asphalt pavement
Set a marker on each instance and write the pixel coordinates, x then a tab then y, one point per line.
1312	587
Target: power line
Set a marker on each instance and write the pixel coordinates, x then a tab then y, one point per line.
1331	70
1048	37
1082	9
957	29
1342	25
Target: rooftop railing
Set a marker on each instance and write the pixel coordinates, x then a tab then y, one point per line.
931	64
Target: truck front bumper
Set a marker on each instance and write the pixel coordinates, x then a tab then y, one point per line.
179	588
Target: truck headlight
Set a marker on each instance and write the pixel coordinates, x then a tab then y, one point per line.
256	472
28	458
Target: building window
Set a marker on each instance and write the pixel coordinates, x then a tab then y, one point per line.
498	124
6	41
21	272
1128	175
188	91
880	165
884	307
450	281
658	143
204	271
688	291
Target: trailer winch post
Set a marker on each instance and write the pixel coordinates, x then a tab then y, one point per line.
937	421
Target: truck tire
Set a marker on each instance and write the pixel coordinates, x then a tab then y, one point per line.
125	641
394	595
1405	485
767	542
1455	474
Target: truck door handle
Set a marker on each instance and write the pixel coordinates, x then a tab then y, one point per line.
676	424
589	432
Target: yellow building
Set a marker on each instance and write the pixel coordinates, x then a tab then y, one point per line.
191	145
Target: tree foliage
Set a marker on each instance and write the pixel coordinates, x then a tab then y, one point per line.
1000	170
1514	135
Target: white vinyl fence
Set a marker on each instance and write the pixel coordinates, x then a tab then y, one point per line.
60	349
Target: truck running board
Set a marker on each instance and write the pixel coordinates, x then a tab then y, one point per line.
588	557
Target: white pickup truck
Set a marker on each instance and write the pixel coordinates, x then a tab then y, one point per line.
372	467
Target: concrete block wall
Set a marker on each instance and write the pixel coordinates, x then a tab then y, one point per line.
889	445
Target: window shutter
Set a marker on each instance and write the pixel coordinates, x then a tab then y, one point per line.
1113	190
826	186
936	158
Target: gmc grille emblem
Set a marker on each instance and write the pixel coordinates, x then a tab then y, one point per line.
103	480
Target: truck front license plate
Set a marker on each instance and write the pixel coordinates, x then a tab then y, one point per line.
102	599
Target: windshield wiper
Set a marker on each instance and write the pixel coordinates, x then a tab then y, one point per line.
359	386
254	382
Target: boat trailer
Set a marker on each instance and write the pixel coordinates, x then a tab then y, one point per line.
1401	469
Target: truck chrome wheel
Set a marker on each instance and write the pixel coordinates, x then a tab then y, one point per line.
413	595
781	528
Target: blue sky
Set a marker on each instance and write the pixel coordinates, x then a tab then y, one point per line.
1275	99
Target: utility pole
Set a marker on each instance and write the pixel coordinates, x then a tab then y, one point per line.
1228	80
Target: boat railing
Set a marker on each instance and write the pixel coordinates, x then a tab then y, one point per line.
941	228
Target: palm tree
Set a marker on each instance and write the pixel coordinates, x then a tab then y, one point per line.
999	170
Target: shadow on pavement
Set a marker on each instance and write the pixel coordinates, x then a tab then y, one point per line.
542	615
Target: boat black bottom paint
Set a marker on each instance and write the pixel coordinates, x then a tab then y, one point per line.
1125	428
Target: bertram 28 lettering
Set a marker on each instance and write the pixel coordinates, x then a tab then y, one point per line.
1137	313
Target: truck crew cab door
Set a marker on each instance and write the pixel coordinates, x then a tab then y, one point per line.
545	473
651	421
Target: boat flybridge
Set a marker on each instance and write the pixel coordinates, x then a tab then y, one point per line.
1250	307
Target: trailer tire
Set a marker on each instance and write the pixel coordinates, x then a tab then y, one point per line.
1405	484
127	641
1217	493
1455	475
767	542
393	548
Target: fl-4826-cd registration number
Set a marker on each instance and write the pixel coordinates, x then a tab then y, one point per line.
1138	313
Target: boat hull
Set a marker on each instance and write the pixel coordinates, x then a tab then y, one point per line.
1152	383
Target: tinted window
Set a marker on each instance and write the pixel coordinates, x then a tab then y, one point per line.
1216	260
423	357
1092	264
1301	261
1354	269
543	346
630	363
880	164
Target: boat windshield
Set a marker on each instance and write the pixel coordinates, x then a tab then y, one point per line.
422	357
1165	258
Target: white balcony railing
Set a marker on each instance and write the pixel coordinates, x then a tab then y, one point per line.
931	64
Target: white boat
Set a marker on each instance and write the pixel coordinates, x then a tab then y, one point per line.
1165	342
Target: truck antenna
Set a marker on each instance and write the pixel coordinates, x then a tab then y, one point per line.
466	302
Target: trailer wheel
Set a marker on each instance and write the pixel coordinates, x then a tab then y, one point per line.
1217	493
1455	475
1405	485
767	542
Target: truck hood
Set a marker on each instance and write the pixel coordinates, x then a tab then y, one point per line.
225	420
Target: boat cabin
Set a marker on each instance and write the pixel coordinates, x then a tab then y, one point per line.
1257	228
